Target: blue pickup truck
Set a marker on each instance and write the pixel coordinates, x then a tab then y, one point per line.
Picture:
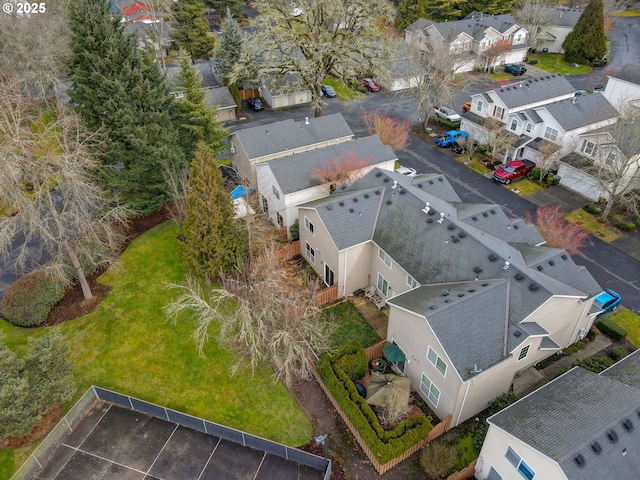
449	138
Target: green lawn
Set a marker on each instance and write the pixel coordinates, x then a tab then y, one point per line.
126	345
628	13
524	187
501	76
630	322
475	163
351	325
343	92
554	63
591	224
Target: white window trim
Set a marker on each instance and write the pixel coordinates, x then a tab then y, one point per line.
519	462
612	157
479	106
589	148
276	192
309	226
385	257
384	280
528	347
411	282
529	127
549	135
435	363
310	257
428	393
512	127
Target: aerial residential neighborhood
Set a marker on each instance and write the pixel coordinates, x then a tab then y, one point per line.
322	240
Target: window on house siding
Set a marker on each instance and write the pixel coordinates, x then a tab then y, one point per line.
384	257
411	282
479	106
514	124
522	468
311	253
437	362
309	226
589	147
499	111
529	127
493	475
523	352
611	159
467	44
430	390
276	192
383	285
550	133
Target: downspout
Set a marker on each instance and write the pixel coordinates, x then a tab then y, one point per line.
344	275
506	323
464	399
584	300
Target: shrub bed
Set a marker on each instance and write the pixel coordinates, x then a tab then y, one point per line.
611	329
385	444
29	300
626	226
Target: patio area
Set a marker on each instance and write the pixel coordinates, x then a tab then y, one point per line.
379	319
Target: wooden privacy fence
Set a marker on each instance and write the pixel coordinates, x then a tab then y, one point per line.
375	351
290	250
466	473
249	93
328	295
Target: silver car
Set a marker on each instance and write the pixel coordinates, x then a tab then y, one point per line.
446	113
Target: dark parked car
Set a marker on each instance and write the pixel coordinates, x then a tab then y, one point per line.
370	84
327	91
608	301
515	69
255	104
599	88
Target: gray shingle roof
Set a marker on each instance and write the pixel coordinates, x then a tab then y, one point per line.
533	90
204	67
288	134
566	17
581	111
297	172
491	219
629	73
626	371
219	97
566	417
471	341
576	160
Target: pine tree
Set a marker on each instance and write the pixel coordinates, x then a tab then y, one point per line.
229	47
29	387
213	242
587	41
196	121
113	91
409	11
191	28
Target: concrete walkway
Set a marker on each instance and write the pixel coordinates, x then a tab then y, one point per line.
532	378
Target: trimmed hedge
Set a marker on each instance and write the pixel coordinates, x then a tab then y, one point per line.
611	329
592	209
626	226
29	300
618	353
385	444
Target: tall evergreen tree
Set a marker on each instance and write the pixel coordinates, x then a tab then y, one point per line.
229	47
113	91
213	242
587	41
196	121
409	11
191	28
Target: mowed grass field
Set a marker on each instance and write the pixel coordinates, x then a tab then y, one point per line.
127	345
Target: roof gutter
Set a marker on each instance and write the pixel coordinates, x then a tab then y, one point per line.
506	322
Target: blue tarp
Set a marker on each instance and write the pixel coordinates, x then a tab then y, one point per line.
240	192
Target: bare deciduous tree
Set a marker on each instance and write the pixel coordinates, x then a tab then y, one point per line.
391	132
557	232
46	168
499	138
535	16
177	180
344	38
263	314
35	49
494	54
548	159
340	170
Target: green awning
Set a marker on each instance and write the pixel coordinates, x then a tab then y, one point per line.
392	352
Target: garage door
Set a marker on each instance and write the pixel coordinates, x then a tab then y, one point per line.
580	182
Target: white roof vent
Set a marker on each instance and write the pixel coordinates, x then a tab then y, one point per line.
441	217
306	121
426	208
506	265
395	184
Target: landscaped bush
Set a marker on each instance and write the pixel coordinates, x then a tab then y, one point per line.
29	300
576	347
438	459
466	452
595	364
626	226
611	329
592	209
385	444
549	178
295	230
618	353
593	333
533	61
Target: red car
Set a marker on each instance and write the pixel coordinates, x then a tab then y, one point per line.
370	84
466	107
